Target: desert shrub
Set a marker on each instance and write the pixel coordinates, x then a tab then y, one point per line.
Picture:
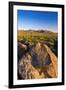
24	39
48	38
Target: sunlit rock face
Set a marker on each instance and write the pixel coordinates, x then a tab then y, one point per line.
40	57
26	70
39	62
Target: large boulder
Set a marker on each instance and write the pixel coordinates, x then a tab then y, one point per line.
40	57
53	67
26	70
45	59
21	50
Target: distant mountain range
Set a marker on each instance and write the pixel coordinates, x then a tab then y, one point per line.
31	30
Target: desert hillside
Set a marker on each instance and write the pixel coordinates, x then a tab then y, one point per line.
43	36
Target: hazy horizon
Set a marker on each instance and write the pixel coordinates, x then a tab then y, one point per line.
36	30
37	20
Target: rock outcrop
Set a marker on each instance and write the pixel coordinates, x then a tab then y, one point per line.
39	62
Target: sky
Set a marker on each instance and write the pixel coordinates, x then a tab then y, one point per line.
36	20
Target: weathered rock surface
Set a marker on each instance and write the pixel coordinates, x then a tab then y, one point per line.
39	62
21	50
26	70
